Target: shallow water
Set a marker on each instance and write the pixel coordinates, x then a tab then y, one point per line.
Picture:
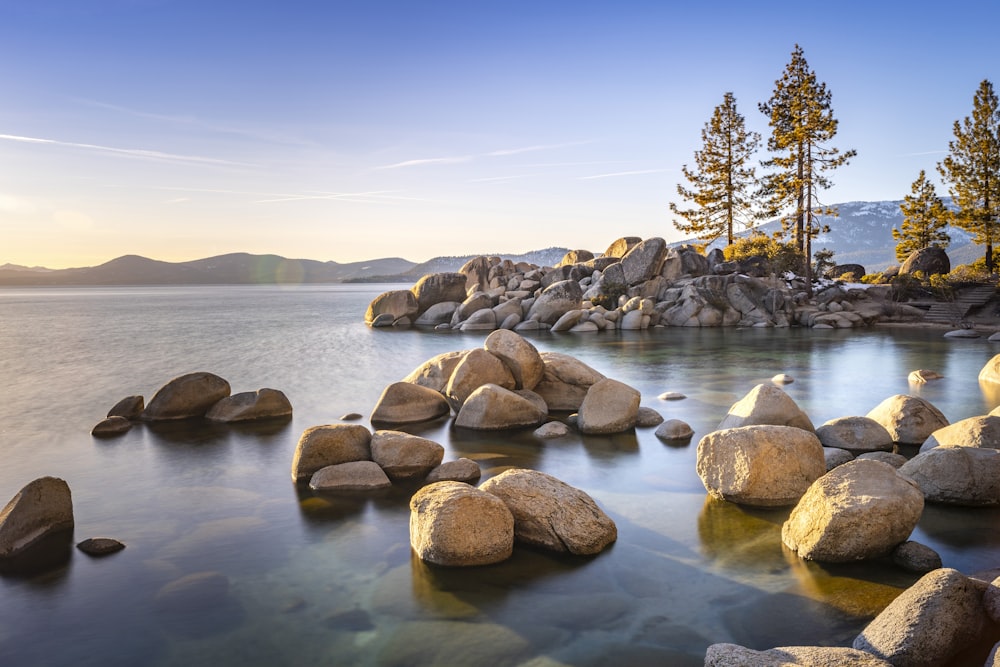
316	580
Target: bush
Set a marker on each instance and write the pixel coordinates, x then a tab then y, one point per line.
781	256
971	273
610	292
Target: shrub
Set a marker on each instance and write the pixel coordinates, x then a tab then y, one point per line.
781	256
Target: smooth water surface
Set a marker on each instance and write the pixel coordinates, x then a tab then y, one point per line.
321	580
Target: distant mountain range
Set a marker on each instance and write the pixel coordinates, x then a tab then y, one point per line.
862	234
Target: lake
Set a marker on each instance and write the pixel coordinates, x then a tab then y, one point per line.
322	580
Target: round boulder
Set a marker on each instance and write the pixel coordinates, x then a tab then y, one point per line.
391	307
859	510
407	403
674	429
766	404
929	261
251	405
436	371
610	406
908	419
991	371
351	477
129	407
190	395
100	546
475	369
458	525
981	431
957	475
733	655
494	408
111	427
565	381
521	357
855	434
555	300
436	288
40	508
322	446
404	456
459	470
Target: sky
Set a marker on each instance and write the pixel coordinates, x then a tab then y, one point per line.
346	131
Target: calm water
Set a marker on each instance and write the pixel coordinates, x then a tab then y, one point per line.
317	580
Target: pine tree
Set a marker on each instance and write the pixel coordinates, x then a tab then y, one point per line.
972	170
924	220
723	180
801	120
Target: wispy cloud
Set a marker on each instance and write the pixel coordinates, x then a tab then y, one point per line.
923	153
126	152
532	149
622	173
370	197
426	161
493	179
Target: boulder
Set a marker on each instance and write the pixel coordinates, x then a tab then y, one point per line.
454	524
555	300
439	313
733	655
648	417
916	557
565	381
922	376
395	304
895	460
835	456
190	395
322	446
991	371
644	260
350	477
859	510
575	257
674	429
855	270
928	261
567	321
475	369
967	476
39	509
459	470
404	456
477	274
983	431
111	427
407	403
436	371
494	408
251	405
929	623
609	406
551	430
481	320
100	546
620	247
435	288
908	419
552	515
766	404
991	600
130	407
855	434
761	465
521	357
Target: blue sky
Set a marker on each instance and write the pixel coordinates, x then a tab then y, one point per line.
346	131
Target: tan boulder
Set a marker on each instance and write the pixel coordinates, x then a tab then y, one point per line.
610	406
350	477
908	419
923	376
766	404
475	369
760	465
391	307
644	260
983	431
859	510
620	247
991	371
733	655
42	507
550	514
957	475
436	371
405	456
555	300
459	470
494	408
190	395
929	623
407	403
322	446
435	288
855	434
251	405
454	524
439	313
520	356
565	381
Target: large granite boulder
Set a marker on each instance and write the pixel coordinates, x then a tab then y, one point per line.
550	514
264	403
436	288
405	456
439	313
991	371
857	435
733	655
322	446
929	623
610	406
494	408
454	524
521	357
766	404
908	419
474	303
555	300
41	508
760	465
459	470
392	307
928	261
982	431
477	274
854	270
475	369
565	381
190	395
957	475
859	510
408	403
619	247
436	371
644	260
351	477
575	257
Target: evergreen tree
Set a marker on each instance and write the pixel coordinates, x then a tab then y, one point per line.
801	120
723	180
972	170
924	220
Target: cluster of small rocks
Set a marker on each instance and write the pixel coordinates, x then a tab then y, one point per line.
634	284
199	394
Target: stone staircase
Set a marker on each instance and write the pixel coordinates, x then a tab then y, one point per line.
966	298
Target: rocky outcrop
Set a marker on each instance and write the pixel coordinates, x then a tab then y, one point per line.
457	525
908	419
552	515
765	466
859	510
41	508
929	623
190	395
321	446
404	456
766	404
609	406
857	435
250	406
957	475
408	403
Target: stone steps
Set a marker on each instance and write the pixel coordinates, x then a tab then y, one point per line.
953	312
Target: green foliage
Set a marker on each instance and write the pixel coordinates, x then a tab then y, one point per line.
723	180
610	292
924	220
781	256
824	261
873	279
972	273
972	170
942	287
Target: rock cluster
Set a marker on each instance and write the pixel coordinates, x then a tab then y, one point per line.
634	284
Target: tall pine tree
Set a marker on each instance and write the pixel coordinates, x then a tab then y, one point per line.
801	120
723	180
924	220
972	170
